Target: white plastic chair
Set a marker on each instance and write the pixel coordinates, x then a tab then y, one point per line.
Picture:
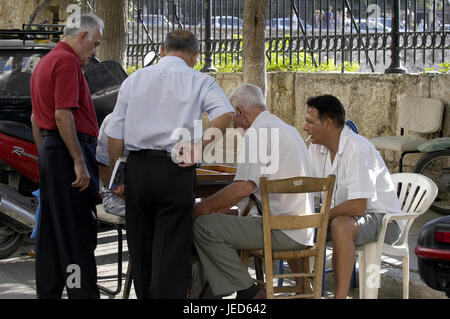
416	194
416	115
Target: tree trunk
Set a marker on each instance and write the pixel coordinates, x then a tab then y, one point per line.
253	51
114	15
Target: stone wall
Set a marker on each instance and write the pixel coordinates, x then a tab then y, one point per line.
15	13
370	99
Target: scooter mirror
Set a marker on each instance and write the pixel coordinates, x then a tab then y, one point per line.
149	58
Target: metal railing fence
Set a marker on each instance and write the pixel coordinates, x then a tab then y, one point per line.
336	33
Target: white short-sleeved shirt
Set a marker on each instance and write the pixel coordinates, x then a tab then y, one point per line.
158	101
101	153
112	203
360	173
284	157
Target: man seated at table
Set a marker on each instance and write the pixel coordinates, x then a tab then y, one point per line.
218	237
364	190
112	203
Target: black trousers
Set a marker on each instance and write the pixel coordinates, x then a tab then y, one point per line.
67	232
159	205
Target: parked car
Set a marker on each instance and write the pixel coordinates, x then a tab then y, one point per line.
433	253
228	22
388	23
286	23
156	20
371	27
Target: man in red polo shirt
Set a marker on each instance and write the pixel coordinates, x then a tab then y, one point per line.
65	129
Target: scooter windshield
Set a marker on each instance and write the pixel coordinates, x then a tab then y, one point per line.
103	76
16	67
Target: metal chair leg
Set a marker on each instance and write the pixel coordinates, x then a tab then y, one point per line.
128	280
402	155
119	264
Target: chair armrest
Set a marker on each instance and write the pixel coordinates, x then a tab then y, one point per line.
390	217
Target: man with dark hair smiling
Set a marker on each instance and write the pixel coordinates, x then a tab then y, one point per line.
153	103
363	193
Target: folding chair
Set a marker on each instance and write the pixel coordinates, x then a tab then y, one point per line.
415	115
118	223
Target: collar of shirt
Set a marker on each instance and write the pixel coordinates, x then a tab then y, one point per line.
172	59
64	46
340	153
342	142
264	115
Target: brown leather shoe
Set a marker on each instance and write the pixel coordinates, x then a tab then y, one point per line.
261	294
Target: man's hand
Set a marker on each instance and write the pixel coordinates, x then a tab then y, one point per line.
82	176
119	191
227	197
67	130
187	153
352	207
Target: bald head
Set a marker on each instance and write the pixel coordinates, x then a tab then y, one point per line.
181	41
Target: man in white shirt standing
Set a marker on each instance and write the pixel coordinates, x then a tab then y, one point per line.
364	190
152	104
281	153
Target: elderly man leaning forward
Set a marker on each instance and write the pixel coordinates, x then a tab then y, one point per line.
364	190
218	237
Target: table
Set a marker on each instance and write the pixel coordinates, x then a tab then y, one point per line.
212	178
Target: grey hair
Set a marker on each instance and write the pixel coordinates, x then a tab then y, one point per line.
88	22
248	95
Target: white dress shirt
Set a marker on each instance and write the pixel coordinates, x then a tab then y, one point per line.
155	101
289	158
360	173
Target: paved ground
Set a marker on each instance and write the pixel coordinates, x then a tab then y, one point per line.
17	280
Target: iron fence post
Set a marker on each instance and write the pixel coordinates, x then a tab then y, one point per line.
396	62
208	67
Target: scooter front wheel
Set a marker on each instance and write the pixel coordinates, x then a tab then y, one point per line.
10	241
436	166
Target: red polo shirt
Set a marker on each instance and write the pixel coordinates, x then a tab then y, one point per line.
58	82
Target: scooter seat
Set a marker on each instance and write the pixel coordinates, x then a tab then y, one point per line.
18	130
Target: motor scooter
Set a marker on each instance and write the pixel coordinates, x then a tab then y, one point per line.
19	171
435	164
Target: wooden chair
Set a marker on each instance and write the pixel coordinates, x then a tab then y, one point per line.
319	221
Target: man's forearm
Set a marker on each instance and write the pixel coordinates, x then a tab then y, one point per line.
353	207
221	122
225	198
37	135
115	150
67	130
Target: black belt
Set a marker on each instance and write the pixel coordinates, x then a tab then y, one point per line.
81	136
162	153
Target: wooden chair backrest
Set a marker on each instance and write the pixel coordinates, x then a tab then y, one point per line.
319	221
